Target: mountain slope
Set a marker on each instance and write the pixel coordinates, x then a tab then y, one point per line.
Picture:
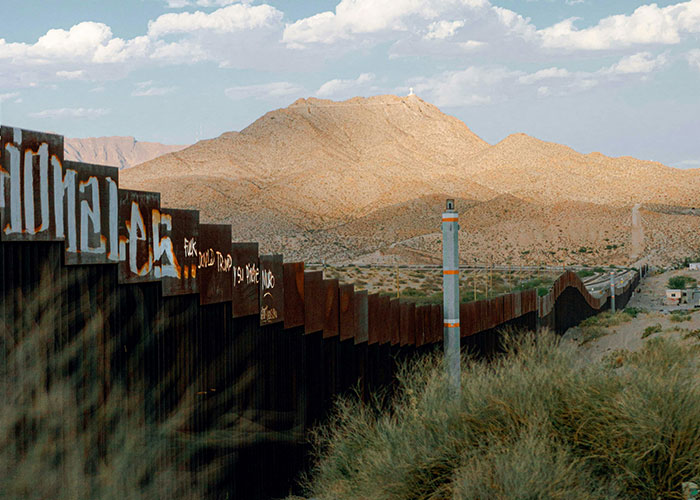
123	152
340	180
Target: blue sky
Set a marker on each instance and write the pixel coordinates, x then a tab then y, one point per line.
621	77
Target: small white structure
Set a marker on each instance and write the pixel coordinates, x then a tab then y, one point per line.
695	266
673	297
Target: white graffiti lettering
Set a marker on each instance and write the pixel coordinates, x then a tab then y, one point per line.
163	251
190	247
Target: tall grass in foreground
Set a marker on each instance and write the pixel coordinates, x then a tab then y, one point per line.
78	418
63	434
533	424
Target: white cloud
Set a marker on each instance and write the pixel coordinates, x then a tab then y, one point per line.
71	75
179	4
434	19
90	113
472	44
8	96
239	35
694	58
544	74
264	91
474	85
642	62
225	20
440	30
147	89
336	87
687	164
648	24
84	42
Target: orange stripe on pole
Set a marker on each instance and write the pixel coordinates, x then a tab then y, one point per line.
450	219
451	272
452	325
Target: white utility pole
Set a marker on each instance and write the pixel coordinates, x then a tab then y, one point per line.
450	294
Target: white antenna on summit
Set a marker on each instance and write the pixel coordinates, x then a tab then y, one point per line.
410	91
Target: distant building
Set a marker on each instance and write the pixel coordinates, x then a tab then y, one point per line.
673	297
676	297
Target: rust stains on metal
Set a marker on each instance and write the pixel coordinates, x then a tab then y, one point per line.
136	210
293	294
331	314
347	311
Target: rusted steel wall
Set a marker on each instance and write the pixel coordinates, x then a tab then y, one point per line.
166	307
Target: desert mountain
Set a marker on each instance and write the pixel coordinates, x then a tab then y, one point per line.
367	178
123	152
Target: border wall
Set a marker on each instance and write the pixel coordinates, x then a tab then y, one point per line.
172	307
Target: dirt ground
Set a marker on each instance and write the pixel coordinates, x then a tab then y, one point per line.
630	335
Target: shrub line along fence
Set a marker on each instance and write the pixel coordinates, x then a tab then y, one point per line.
174	304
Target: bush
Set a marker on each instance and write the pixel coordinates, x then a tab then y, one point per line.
585	273
681	282
536	423
680	316
651	329
634	311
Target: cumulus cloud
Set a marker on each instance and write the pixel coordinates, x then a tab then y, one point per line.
648	24
443	29
478	85
179	4
338	88
225	20
264	91
642	62
71	75
8	96
89	113
474	85
694	58
433	19
544	74
147	89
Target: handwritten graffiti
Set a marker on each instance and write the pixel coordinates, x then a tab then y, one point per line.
190	247
163	249
267	282
44	199
268	314
215	263
271	289
248	275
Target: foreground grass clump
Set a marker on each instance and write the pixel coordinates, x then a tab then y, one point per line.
534	424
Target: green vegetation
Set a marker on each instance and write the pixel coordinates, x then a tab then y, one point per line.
680	316
534	424
585	273
534	283
634	311
599	270
651	329
682	282
595	326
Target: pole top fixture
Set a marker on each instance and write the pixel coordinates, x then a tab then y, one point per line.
450	205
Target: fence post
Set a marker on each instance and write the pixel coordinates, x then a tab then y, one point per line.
450	288
612	292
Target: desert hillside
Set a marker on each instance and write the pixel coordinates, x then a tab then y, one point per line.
365	180
123	152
